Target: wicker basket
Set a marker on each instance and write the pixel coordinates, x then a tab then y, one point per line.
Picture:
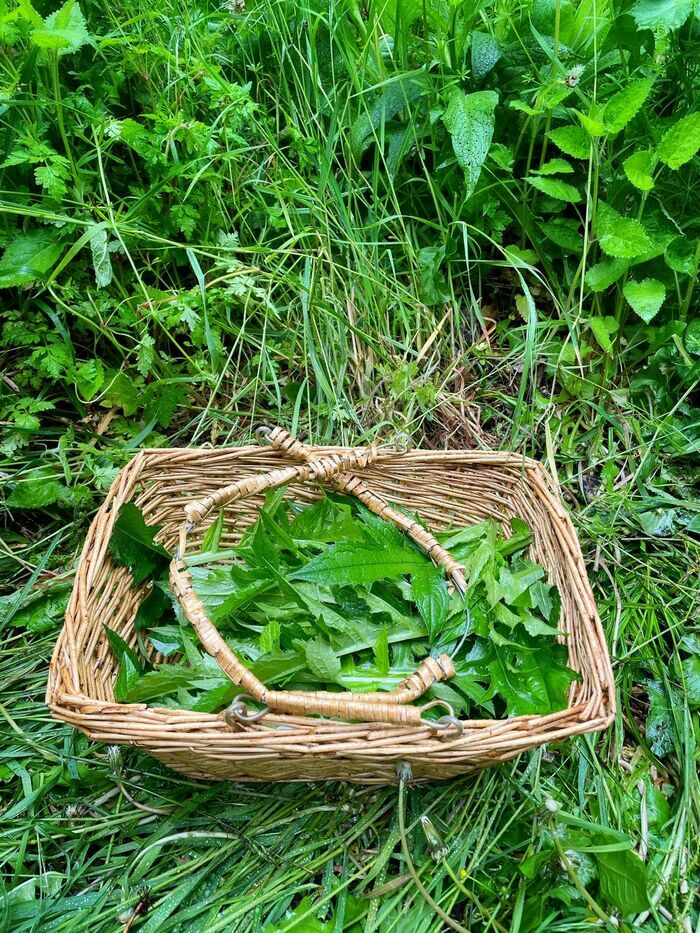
366	738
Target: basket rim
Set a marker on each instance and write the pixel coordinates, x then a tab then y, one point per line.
67	702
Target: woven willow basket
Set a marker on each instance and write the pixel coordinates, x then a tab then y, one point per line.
366	738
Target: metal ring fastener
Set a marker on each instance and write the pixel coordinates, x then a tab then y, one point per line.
238	711
450	721
262	432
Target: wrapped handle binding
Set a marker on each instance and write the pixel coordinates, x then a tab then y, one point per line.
334	470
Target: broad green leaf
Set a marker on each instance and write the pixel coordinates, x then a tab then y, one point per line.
129	665
624	881
28	258
212	536
349	563
430	594
395	96
322	659
622	237
680	143
101	261
544	15
555	167
132	544
691	676
592	124
664	14
156	609
485	53
565	232
603	328
691	341
625	105
638	168
531	681
645	297
572	140
469	120
605	273
64	31
680	255
555	188
659	722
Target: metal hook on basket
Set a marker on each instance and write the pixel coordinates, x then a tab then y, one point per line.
450	721
237	712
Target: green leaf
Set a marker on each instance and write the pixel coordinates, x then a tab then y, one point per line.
691	338
156	609
659	722
645	297
680	255
603	328
212	536
665	14
89	378
626	104
624	880
322	659
554	167
485	54
28	258
573	140
270	637
430	594
101	261
381	651
64	31
691	676
129	665
680	143
565	232
132	544
620	236
605	273
350	563
555	188
469	119
531	681
638	168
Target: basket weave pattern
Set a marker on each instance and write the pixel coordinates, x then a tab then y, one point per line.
452	488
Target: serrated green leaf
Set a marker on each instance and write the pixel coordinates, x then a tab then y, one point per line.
132	544
605	273
430	594
626	104
530	681
89	378
351	564
270	637
555	188
621	237
554	167
691	339
680	143
645	297
28	258
469	119
64	30
322	659
664	14
638	168
212	536
572	140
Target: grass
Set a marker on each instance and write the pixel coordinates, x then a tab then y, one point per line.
305	252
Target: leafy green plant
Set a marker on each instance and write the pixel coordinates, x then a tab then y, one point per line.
327	597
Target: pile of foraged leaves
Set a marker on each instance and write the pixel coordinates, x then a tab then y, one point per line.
332	597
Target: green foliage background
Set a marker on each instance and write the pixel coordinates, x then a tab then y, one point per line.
475	222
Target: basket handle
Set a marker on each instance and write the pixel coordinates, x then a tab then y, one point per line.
330	469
